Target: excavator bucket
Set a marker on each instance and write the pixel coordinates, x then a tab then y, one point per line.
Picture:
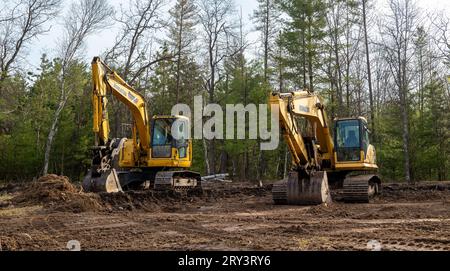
310	190
107	182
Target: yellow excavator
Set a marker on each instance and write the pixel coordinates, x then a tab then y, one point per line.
319	162
156	157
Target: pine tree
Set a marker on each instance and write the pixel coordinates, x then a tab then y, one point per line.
266	18
181	40
302	37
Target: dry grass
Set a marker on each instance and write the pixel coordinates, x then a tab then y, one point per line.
5	197
19	211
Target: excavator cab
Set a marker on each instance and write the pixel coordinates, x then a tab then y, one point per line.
170	138
351	139
353	154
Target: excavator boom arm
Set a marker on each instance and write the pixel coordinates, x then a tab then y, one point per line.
106	80
307	105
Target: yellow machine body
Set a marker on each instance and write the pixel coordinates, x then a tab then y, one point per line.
157	152
317	158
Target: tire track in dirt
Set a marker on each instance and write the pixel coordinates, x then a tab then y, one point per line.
233	220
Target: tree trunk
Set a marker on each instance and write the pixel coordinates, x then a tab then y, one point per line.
359	90
310	60
369	75
52	133
277	171
212	85
304	59
223	161
403	91
266	42
117	119
259	165
233	163
405	137
347	90
280	65
62	161
339	76
180	33
212	156
205	152
246	165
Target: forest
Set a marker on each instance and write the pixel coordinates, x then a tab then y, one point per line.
386	60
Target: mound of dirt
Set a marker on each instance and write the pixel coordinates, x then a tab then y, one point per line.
56	192
10	187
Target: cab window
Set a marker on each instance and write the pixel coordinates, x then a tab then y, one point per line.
347	140
182	142
162	138
163	141
347	133
365	139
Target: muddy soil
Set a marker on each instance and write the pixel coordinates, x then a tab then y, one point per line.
48	213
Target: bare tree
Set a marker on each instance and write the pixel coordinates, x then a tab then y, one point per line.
84	18
334	23
352	39
266	18
20	23
397	40
132	51
182	35
369	73
215	20
214	17
132	48
344	38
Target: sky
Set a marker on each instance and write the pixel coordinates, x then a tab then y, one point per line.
99	42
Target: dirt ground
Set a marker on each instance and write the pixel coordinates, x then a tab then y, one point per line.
48	213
